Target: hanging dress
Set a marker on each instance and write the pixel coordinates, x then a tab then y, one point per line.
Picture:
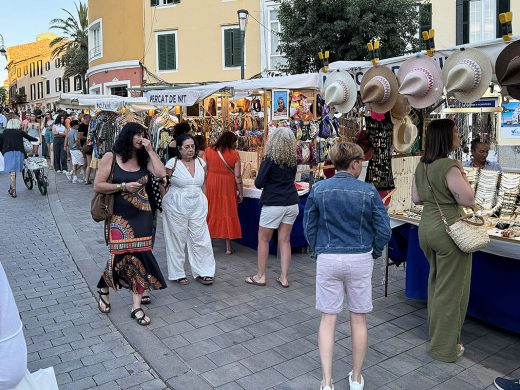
185	209
132	264
221	192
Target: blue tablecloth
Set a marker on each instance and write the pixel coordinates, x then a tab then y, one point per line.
495	282
249	214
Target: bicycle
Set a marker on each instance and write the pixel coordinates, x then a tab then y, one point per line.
34	171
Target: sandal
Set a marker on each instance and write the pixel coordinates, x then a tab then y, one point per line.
12	192
107	305
140	320
145	300
182	281
251	280
205	280
460	350
279	280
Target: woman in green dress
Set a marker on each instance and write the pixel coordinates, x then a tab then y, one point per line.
450	268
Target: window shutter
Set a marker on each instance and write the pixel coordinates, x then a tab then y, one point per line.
502	6
154	3
237	47
228	48
170	43
166	48
161	46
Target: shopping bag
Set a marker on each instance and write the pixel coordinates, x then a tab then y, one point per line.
1	162
43	379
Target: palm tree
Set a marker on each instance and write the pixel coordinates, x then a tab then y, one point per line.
72	46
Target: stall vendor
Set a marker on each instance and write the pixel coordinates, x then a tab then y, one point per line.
479	154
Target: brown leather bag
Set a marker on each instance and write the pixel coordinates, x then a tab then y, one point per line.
102	205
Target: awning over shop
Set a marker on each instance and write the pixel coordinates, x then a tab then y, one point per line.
103	102
191	95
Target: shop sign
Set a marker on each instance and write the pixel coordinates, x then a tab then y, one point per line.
172	98
109	105
485	103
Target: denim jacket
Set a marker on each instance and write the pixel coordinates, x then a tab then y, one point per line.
345	215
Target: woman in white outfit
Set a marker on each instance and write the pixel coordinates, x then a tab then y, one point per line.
185	210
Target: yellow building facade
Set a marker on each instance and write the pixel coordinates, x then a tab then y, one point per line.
35	79
459	22
146	42
116	45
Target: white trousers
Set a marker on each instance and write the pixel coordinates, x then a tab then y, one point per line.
179	232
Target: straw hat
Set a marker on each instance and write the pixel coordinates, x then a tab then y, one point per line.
404	134
420	80
340	91
401	107
507	69
379	88
467	75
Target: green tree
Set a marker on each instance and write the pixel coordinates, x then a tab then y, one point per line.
344	27
72	45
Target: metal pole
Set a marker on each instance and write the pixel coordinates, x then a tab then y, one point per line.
242	64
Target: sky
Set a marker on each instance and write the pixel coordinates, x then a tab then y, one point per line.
22	20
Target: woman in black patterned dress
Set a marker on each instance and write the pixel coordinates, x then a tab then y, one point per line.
131	264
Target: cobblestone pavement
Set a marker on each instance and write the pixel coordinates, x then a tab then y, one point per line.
226	336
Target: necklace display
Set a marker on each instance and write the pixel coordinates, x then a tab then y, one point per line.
403	171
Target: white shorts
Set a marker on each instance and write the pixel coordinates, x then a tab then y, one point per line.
77	157
272	217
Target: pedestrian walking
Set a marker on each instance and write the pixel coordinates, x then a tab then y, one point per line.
131	264
11	145
279	201
47	124
185	209
73	147
443	180
59	133
224	189
86	147
345	239
33	128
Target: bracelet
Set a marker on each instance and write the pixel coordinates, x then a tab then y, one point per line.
123	186
119	187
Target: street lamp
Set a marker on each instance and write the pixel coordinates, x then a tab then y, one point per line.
2	46
243	14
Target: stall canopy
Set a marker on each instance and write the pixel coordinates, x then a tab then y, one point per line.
103	102
191	95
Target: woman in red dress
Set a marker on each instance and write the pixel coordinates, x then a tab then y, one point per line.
224	189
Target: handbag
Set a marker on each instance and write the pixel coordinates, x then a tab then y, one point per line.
102	205
87	149
238	180
468	232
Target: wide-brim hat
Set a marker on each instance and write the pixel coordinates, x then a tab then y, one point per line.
420	80
340	91
512	91
379	88
507	67
401	107
467	74
404	134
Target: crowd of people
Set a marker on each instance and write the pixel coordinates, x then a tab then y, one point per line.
345	221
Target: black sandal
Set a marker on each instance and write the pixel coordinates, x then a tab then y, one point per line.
107	305
206	280
145	300
140	320
182	281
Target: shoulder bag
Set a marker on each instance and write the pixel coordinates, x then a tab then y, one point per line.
102	205
468	232
238	180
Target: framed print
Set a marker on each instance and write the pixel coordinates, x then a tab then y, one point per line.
280	104
510	123
211	107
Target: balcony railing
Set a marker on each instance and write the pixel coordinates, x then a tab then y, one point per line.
94	52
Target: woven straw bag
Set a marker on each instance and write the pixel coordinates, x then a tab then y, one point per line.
467	232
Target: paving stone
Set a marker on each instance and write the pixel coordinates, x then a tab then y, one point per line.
262	380
229	355
225	374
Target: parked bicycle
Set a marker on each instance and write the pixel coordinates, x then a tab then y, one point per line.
34	172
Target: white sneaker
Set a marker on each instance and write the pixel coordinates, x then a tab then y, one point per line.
58	171
74	180
69	175
323	387
355	385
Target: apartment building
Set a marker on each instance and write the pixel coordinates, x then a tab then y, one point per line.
458	22
144	42
35	79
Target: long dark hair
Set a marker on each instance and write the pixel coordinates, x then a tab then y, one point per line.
439	140
124	145
226	141
180	129
59	120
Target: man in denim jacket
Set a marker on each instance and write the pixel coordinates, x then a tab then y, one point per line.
347	227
